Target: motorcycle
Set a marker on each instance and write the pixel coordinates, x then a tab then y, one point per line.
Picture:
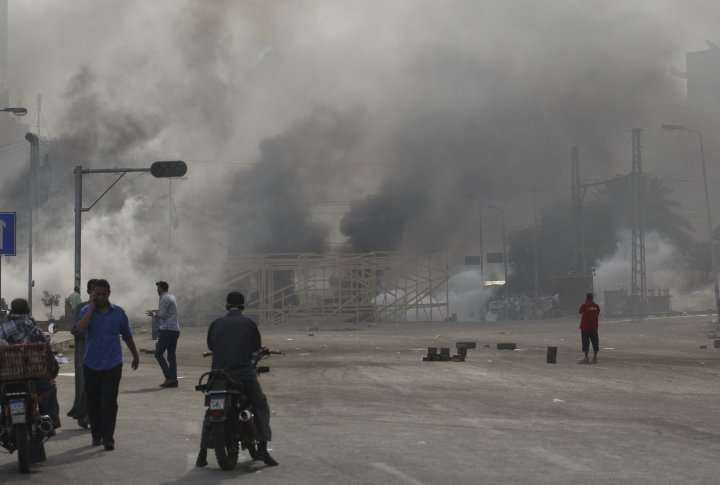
229	416
22	427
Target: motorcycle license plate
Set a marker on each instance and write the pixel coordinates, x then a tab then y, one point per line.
217	403
17	409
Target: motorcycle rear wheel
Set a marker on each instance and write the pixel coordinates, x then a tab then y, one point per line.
226	445
23	447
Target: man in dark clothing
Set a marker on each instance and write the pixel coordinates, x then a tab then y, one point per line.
590	312
234	341
20	328
78	410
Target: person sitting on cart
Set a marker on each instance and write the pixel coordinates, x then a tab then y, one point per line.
20	328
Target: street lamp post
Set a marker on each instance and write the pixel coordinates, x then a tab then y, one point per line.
480	236
671	127
34	156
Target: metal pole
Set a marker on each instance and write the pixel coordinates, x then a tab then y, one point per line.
34	158
480	235
504	244
535	244
169	251
78	211
710	226
30	227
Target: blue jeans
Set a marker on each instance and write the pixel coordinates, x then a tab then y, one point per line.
167	342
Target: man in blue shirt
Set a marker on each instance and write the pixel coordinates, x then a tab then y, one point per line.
102	323
168	334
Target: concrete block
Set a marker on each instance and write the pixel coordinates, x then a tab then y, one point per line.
465	345
552	355
506	346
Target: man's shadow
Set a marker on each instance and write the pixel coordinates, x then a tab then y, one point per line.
213	474
143	391
76	455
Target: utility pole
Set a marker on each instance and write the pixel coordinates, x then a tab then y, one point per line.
638	290
576	201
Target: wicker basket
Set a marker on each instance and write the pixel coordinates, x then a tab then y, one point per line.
19	362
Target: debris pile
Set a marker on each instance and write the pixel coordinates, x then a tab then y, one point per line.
444	355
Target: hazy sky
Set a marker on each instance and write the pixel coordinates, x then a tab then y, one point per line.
287	111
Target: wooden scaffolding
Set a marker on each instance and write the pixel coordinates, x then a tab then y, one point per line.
319	289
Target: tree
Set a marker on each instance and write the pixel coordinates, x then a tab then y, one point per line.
50	300
658	212
602	217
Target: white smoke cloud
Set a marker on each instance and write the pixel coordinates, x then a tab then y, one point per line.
665	268
110	245
466	296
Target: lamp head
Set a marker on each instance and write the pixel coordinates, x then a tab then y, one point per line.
16	111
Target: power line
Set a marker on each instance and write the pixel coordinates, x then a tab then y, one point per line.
13	143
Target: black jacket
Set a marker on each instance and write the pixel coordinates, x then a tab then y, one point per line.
233	339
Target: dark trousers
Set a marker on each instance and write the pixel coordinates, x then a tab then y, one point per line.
167	342
102	391
587	337
49	404
79	407
260	406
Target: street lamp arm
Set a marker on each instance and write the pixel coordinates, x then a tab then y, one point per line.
673	127
106	191
15	111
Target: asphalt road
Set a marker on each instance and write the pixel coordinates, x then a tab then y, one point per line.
357	405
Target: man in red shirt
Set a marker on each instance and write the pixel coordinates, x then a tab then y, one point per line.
590	312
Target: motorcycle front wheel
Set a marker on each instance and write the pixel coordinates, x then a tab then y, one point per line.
23	447
226	444
251	447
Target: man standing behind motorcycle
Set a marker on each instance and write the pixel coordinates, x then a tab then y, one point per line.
233	339
20	328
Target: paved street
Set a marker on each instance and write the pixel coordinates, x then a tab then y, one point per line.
357	405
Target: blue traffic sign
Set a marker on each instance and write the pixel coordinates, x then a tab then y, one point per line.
7	233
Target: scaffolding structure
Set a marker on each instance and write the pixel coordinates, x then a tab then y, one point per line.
319	289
